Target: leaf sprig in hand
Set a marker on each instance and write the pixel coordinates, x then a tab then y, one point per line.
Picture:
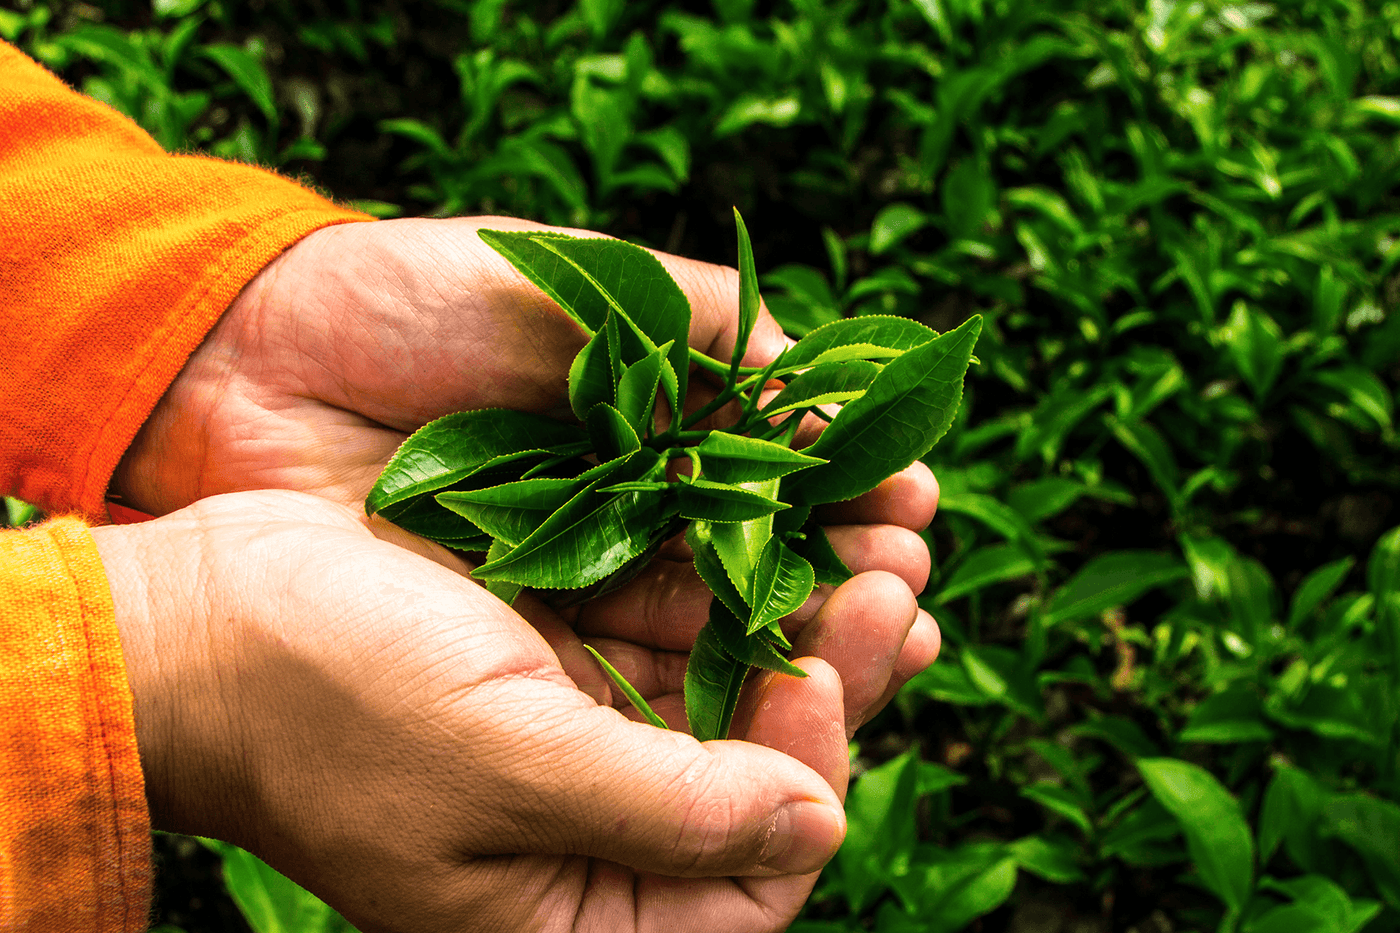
582	507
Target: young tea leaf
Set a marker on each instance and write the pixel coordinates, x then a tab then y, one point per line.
748	296
815	548
734	458
613	436
636	390
713	680
633	281
511	511
908	407
702	500
781	584
423	516
739	544
711	570
591	535
556	276
826	384
892	335
503	590
452	448
592	376
628	690
755	650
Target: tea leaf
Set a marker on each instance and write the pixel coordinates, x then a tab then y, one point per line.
891	335
748	296
591	535
908	407
1216	832
1113	579
711	570
985	566
739	544
556	276
423	516
628	690
593	375
613	436
1256	344
636	390
634	282
511	511
734	458
826	384
1290	815
271	902
454	447
1370	826
782	582
816	549
503	590
753	649
703	500
713	680
842	354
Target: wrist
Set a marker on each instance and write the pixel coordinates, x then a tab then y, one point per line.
153	572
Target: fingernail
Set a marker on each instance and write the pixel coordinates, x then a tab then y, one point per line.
805	837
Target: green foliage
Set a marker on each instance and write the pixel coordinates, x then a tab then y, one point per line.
271	902
592	514
1163	502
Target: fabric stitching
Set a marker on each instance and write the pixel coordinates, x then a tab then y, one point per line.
109	777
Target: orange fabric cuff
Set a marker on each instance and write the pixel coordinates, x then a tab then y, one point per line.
74	832
115	260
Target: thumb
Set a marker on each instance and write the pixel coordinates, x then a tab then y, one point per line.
662	802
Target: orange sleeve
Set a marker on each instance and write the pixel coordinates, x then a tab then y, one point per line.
115	260
74	834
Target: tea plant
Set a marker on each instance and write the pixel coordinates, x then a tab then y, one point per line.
567	506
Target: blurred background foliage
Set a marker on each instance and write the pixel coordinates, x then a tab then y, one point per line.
1166	565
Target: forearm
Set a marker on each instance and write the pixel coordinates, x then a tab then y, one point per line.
118	258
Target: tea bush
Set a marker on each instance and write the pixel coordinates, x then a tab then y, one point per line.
1170	599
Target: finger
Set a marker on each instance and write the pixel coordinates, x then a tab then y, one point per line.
590	782
577	663
909	498
385	530
803	719
920	650
861	632
654	673
664	607
890	548
870	630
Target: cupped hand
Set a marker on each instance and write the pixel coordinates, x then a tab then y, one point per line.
358	335
396	739
361	333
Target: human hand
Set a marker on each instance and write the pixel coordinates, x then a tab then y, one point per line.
391	736
360	333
